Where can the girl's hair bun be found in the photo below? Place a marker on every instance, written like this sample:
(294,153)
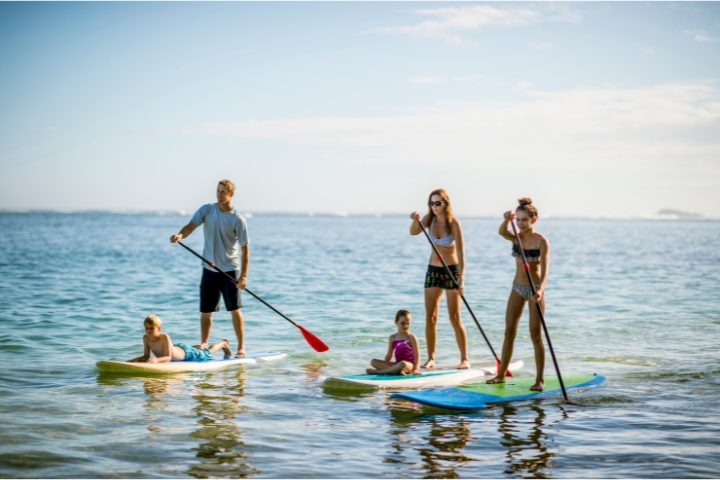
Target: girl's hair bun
(527,206)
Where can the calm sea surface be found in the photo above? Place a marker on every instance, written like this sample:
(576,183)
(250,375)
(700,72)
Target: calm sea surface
(636,301)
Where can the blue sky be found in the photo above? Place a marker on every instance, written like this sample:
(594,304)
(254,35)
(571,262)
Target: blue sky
(609,109)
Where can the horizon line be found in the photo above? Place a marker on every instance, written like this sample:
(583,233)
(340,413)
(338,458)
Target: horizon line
(676,215)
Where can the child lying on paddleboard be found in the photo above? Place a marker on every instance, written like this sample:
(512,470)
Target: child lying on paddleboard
(405,346)
(165,351)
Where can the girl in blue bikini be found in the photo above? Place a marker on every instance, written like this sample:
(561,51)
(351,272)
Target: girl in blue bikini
(538,258)
(404,345)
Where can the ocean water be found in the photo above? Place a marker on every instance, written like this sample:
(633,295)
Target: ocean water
(635,301)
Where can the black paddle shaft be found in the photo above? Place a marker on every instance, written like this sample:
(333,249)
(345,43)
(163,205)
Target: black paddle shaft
(235,281)
(539,309)
(447,269)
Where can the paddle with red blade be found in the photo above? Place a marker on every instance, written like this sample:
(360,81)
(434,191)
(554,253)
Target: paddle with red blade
(447,269)
(526,266)
(317,344)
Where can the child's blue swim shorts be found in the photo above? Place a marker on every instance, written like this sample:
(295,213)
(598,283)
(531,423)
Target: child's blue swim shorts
(193,354)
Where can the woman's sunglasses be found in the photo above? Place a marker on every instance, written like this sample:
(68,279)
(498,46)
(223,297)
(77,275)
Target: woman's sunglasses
(436,204)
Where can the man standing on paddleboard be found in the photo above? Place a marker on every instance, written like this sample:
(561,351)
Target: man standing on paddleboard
(224,229)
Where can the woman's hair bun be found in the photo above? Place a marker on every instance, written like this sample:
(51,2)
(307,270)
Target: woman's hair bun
(525,201)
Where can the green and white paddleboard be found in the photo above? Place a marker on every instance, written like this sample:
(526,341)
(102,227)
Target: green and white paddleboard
(438,377)
(176,367)
(480,395)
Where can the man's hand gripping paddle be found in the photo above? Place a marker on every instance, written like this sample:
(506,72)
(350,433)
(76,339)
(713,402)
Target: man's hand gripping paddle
(317,344)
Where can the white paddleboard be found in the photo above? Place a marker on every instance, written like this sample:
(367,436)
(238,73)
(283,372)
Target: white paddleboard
(174,367)
(437,377)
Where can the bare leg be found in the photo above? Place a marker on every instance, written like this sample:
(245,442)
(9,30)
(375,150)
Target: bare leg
(453,303)
(400,368)
(205,327)
(536,336)
(378,365)
(432,306)
(239,325)
(515,307)
(225,348)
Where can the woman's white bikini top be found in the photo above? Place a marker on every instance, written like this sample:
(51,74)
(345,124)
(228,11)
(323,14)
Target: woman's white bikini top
(446,241)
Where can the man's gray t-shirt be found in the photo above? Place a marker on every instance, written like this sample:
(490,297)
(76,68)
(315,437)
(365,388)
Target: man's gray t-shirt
(223,232)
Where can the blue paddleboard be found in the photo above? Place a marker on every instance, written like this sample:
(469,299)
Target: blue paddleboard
(479,395)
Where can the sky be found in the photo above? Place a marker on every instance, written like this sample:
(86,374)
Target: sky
(589,108)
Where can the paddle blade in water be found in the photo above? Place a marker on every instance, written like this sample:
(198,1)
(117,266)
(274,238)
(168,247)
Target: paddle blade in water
(317,344)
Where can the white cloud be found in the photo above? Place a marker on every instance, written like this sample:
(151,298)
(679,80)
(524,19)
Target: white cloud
(542,46)
(656,126)
(426,80)
(433,80)
(700,36)
(469,78)
(610,151)
(447,22)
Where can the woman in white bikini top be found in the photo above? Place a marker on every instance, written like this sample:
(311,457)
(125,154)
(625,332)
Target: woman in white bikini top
(446,233)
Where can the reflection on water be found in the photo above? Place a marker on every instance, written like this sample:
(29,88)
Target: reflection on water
(525,439)
(217,404)
(442,450)
(443,453)
(221,450)
(313,370)
(156,386)
(449,445)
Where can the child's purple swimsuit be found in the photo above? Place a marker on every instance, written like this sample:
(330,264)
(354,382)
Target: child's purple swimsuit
(403,351)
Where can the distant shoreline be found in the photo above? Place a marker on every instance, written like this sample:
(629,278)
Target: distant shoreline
(664,215)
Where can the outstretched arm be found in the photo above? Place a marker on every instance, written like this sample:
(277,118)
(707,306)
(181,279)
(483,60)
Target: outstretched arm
(505,226)
(184,233)
(146,353)
(244,264)
(416,350)
(388,355)
(544,268)
(460,242)
(414,227)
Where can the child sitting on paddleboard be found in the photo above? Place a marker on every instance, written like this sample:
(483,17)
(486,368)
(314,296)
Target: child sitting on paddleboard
(405,347)
(165,351)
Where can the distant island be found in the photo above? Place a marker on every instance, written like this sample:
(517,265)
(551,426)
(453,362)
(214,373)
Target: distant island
(669,212)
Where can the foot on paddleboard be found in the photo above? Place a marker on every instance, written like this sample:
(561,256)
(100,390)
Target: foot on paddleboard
(429,364)
(227,353)
(371,371)
(464,365)
(538,387)
(495,380)
(240,354)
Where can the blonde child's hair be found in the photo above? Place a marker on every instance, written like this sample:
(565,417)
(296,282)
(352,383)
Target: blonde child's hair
(153,320)
(402,313)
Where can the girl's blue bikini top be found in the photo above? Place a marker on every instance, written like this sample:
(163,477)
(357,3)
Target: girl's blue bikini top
(446,241)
